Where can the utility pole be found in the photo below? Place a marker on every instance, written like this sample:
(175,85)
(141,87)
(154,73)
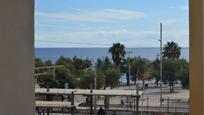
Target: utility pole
(161,58)
(129,52)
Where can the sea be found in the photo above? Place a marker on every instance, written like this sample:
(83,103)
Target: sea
(93,54)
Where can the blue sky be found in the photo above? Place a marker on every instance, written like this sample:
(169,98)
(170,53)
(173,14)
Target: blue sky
(99,23)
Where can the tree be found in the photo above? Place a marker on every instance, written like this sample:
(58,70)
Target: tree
(102,66)
(184,73)
(125,69)
(81,63)
(47,81)
(76,72)
(170,72)
(44,80)
(139,66)
(67,62)
(118,53)
(172,50)
(38,62)
(48,63)
(171,53)
(63,75)
(155,66)
(112,77)
(86,79)
(101,78)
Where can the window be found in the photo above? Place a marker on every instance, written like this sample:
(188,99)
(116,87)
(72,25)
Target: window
(87,31)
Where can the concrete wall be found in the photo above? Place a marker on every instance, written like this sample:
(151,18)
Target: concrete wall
(196,57)
(16,57)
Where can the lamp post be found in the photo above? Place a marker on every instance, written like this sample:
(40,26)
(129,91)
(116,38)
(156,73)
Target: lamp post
(161,58)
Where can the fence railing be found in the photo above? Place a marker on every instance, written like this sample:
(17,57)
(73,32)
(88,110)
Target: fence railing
(128,104)
(174,105)
(149,104)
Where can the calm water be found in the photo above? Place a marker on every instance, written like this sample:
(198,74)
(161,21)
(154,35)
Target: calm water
(93,53)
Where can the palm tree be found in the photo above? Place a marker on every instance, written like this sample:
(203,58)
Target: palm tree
(171,50)
(118,53)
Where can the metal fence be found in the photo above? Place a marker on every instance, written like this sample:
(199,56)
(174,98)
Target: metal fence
(146,104)
(126,104)
(174,105)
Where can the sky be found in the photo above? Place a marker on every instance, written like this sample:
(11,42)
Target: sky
(100,23)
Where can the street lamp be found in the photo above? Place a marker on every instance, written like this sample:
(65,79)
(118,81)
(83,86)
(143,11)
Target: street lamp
(161,58)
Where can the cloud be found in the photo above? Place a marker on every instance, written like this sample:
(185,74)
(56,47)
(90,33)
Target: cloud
(170,23)
(102,38)
(183,7)
(102,15)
